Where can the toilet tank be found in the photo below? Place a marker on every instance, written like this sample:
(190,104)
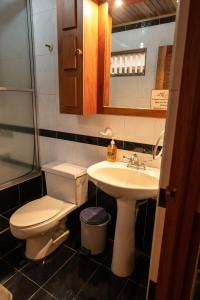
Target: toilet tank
(67,182)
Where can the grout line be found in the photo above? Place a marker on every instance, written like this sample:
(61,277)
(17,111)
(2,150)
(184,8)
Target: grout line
(87,281)
(33,294)
(66,246)
(24,275)
(4,230)
(10,251)
(9,210)
(136,283)
(122,289)
(4,282)
(41,289)
(68,260)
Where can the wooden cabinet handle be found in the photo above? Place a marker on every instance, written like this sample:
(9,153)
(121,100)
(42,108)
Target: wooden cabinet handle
(78,52)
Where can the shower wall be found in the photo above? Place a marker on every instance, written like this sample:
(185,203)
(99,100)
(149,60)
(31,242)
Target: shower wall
(17,140)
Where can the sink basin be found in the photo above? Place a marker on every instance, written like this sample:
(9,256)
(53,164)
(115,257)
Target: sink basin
(119,181)
(127,185)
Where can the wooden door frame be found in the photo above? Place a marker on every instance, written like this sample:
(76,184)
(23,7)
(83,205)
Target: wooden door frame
(185,170)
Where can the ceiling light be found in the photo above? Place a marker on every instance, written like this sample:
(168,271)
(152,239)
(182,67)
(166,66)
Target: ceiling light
(118,3)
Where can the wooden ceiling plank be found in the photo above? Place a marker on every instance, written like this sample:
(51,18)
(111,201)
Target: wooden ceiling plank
(163,6)
(140,10)
(124,14)
(151,8)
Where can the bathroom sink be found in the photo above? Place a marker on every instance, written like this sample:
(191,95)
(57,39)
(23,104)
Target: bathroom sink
(119,181)
(127,185)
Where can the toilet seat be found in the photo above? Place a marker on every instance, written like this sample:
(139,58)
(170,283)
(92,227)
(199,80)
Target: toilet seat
(36,212)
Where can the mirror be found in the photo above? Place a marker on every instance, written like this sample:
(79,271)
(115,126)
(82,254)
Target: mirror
(138,51)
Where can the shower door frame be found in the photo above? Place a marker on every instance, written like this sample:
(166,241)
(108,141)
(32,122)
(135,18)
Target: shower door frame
(36,162)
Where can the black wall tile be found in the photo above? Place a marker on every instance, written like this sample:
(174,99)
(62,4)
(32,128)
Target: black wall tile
(30,190)
(9,198)
(105,142)
(3,224)
(44,186)
(48,133)
(66,136)
(118,29)
(86,139)
(92,194)
(7,242)
(140,226)
(109,203)
(150,219)
(167,19)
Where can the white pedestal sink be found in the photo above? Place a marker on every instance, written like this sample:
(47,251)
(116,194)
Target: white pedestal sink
(127,185)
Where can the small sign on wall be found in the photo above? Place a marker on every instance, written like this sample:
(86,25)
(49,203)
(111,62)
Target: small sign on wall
(159,99)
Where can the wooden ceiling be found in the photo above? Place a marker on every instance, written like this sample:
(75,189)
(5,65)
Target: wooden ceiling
(141,10)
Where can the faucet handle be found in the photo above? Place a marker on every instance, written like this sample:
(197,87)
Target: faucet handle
(126,158)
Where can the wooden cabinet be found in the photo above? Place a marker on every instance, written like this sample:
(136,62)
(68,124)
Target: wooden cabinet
(78,55)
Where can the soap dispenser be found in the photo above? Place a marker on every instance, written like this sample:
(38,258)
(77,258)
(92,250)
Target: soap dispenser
(112,151)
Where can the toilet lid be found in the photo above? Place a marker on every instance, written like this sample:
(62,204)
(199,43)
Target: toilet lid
(36,212)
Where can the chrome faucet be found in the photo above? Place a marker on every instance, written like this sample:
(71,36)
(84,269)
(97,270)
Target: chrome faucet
(134,162)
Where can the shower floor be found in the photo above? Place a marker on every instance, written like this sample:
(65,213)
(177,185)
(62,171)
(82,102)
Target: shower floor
(10,171)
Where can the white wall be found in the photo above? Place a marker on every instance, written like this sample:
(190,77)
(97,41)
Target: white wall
(136,129)
(135,91)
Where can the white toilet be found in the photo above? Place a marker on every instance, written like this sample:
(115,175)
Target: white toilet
(42,222)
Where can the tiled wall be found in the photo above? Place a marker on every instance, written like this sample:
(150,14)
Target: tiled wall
(135,129)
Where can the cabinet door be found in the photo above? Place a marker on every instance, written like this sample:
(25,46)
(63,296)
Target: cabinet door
(70,45)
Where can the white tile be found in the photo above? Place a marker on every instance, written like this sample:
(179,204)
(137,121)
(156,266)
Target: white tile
(47,108)
(138,129)
(78,153)
(86,155)
(65,151)
(42,5)
(46,74)
(45,31)
(47,150)
(91,125)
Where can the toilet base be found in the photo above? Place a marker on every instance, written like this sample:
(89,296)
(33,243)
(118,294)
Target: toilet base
(41,246)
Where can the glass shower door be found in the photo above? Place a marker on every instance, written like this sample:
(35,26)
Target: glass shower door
(17,101)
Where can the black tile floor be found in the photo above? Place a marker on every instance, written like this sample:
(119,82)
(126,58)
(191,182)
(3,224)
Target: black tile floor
(69,275)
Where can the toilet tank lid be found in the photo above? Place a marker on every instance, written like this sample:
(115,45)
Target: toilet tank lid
(65,169)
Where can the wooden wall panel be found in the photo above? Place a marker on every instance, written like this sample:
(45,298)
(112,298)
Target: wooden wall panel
(163,67)
(70,90)
(69,48)
(90,56)
(69,14)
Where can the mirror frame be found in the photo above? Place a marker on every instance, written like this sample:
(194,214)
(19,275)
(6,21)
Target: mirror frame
(104,53)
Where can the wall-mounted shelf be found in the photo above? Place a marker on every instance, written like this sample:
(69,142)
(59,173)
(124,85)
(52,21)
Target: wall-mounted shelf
(128,63)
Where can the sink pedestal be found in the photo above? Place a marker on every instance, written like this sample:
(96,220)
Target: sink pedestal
(124,242)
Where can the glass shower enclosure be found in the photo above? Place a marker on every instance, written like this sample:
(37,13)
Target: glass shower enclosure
(18,139)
